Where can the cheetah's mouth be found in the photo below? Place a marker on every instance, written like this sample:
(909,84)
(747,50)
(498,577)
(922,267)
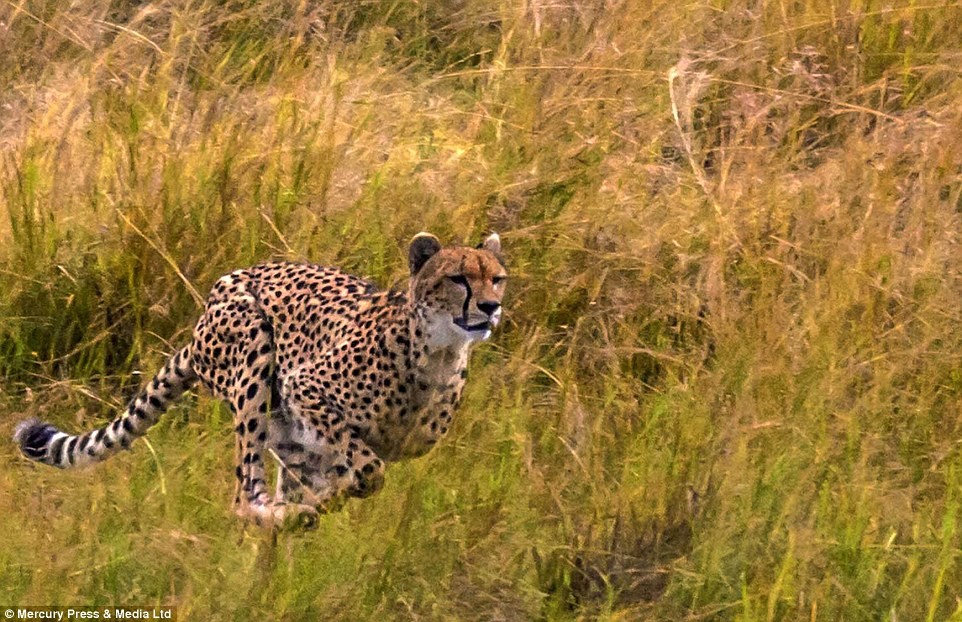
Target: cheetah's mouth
(472,328)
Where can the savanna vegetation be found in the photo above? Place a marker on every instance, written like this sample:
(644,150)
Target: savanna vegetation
(729,381)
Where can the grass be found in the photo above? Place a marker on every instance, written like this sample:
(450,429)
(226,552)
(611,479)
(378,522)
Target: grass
(729,382)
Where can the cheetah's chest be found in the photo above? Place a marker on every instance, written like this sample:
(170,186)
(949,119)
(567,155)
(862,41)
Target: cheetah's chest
(423,419)
(411,404)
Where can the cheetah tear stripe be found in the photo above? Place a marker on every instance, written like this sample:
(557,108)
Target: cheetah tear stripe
(45,443)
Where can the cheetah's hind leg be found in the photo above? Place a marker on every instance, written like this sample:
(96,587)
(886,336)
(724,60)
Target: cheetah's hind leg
(254,503)
(236,360)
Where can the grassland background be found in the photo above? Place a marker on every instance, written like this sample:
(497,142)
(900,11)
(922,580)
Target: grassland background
(729,382)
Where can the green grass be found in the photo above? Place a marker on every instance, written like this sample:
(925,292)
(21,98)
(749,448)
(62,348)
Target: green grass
(729,383)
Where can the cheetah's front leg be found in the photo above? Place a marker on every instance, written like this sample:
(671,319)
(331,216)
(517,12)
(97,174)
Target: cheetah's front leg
(300,458)
(323,456)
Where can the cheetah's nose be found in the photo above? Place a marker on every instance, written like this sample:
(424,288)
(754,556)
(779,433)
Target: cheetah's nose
(489,306)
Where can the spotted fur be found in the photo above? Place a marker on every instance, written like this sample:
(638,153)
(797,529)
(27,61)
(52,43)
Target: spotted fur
(322,370)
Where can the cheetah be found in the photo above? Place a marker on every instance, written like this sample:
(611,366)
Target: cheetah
(325,373)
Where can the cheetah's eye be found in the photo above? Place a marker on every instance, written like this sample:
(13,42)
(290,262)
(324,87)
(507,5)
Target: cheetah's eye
(459,279)
(497,280)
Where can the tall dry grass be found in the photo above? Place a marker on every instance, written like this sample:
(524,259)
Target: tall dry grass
(729,383)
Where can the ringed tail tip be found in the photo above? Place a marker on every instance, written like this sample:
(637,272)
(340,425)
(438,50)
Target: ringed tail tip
(33,437)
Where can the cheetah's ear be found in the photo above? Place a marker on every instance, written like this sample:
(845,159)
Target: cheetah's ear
(423,247)
(492,243)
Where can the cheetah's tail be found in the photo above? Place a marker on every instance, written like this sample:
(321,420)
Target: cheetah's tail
(44,443)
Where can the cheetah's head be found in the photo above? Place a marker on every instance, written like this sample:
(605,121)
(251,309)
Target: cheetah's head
(459,288)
